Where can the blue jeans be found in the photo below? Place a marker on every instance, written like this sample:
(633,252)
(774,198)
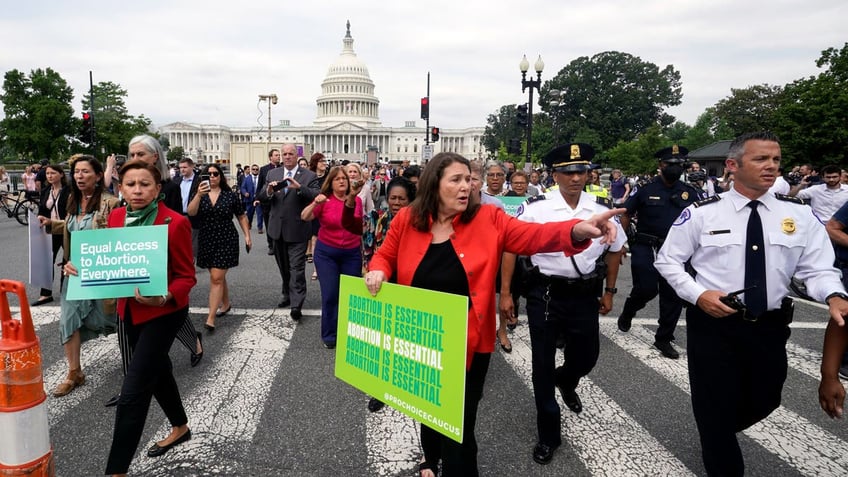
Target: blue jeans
(331,263)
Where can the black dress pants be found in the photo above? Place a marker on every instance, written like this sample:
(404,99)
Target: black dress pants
(149,375)
(647,283)
(736,373)
(576,316)
(460,459)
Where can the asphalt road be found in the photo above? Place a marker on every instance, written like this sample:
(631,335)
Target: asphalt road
(264,400)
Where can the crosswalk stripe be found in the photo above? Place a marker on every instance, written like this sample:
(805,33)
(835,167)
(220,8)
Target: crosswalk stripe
(793,438)
(227,408)
(392,442)
(601,416)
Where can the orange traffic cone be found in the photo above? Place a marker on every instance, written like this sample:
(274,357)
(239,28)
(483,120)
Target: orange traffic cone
(24,436)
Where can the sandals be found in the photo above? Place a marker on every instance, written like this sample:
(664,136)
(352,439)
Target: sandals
(75,378)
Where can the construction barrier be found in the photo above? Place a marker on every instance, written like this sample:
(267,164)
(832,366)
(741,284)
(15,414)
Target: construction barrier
(24,436)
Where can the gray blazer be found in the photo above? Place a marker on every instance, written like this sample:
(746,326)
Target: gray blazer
(284,217)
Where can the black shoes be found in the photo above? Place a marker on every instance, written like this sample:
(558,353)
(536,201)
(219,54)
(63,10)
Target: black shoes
(113,401)
(42,301)
(224,312)
(543,453)
(667,349)
(156,450)
(284,302)
(375,404)
(296,315)
(327,344)
(571,399)
(624,322)
(209,328)
(196,357)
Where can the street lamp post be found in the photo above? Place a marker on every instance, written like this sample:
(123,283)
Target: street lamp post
(531,83)
(557,101)
(272,99)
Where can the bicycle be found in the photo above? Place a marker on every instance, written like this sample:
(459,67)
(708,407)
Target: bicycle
(17,206)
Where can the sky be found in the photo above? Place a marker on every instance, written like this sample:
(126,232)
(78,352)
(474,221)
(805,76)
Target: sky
(207,61)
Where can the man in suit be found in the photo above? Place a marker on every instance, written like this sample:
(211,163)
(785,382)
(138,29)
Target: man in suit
(187,181)
(273,163)
(248,195)
(289,189)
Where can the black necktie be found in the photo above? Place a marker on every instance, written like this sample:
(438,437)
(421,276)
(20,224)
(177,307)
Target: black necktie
(755,264)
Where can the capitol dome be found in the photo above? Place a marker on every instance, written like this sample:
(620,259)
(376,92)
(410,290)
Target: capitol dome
(347,92)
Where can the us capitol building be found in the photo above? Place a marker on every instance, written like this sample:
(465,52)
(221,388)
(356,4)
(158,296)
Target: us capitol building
(347,126)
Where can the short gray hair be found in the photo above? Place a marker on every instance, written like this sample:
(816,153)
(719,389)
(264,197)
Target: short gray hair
(492,164)
(152,145)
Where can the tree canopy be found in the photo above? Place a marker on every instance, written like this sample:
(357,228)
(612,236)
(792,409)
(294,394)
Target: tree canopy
(39,118)
(615,95)
(114,126)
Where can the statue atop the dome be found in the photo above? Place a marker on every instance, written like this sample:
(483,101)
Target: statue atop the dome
(348,28)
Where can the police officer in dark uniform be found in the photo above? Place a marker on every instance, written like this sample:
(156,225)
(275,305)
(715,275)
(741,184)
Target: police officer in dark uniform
(565,294)
(656,205)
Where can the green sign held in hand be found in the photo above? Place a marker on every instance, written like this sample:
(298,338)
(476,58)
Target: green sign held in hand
(113,262)
(406,347)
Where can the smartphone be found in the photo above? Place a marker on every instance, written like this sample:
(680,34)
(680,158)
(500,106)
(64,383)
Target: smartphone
(281,185)
(205,178)
(247,248)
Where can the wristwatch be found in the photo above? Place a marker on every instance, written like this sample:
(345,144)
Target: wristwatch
(611,290)
(839,294)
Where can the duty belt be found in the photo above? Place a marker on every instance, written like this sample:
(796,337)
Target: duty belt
(559,284)
(648,239)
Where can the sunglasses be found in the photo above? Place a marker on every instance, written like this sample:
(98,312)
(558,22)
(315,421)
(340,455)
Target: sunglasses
(214,174)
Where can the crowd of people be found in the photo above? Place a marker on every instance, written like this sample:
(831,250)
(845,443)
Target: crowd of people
(445,227)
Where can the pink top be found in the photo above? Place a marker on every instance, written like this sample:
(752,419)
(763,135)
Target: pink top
(329,215)
(29,181)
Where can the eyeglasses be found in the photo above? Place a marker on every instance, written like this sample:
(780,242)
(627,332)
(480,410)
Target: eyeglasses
(519,183)
(214,174)
(496,174)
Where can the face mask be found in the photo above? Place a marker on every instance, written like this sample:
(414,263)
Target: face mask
(672,172)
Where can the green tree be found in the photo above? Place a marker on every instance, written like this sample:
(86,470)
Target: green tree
(113,125)
(637,156)
(812,120)
(749,109)
(175,154)
(39,119)
(612,92)
(500,128)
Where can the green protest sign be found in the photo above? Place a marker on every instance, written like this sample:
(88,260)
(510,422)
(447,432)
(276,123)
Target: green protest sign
(113,262)
(406,347)
(511,204)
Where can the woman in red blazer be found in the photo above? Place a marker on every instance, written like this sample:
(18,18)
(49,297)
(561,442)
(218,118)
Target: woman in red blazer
(151,322)
(453,244)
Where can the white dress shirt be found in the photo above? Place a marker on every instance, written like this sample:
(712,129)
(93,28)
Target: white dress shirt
(713,235)
(554,208)
(825,202)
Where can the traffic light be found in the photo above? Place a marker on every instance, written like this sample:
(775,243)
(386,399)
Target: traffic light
(514,146)
(87,132)
(425,108)
(521,115)
(434,134)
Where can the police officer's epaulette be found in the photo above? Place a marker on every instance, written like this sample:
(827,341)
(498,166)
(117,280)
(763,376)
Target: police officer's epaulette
(789,198)
(708,200)
(605,201)
(535,198)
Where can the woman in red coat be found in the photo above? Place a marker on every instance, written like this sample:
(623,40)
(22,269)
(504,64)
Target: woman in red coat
(452,244)
(151,322)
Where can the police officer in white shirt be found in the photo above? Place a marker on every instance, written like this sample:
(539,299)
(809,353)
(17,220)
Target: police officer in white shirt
(737,350)
(565,294)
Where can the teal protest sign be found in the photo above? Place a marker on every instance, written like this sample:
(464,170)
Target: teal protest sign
(111,263)
(406,347)
(511,204)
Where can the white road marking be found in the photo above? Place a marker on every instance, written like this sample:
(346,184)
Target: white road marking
(226,409)
(607,439)
(393,443)
(803,445)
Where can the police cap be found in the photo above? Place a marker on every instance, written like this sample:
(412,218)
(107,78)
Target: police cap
(673,155)
(574,157)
